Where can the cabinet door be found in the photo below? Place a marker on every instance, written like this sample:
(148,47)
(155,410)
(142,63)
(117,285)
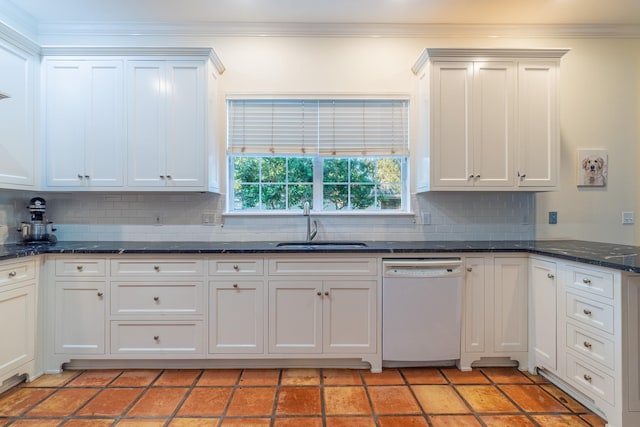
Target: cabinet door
(510,304)
(631,362)
(66,100)
(17,116)
(349,316)
(493,123)
(475,304)
(295,316)
(538,133)
(236,317)
(185,145)
(105,125)
(451,107)
(146,88)
(18,316)
(543,294)
(79,318)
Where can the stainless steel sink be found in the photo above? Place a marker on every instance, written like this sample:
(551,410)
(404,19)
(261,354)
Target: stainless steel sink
(321,245)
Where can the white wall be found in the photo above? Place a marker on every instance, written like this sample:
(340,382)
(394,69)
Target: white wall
(599,109)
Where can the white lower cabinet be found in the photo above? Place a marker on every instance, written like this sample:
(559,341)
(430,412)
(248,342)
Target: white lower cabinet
(331,316)
(222,307)
(543,334)
(18,317)
(79,320)
(236,316)
(494,310)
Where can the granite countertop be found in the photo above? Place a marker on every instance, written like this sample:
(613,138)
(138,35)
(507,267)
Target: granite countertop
(621,257)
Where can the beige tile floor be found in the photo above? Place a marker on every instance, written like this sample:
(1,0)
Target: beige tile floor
(415,397)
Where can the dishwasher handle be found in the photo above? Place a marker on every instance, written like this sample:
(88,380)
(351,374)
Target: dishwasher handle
(423,268)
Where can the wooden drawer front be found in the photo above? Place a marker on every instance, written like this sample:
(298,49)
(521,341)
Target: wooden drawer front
(80,267)
(595,348)
(245,267)
(17,272)
(592,281)
(156,337)
(144,298)
(128,267)
(328,266)
(590,312)
(590,380)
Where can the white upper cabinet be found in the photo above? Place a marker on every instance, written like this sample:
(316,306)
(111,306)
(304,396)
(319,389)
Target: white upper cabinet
(84,123)
(167,123)
(490,121)
(18,148)
(131,119)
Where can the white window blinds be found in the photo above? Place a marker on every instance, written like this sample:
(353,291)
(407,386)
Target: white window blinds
(318,127)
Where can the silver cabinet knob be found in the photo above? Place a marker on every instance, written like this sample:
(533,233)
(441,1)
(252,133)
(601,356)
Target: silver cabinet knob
(156,337)
(586,281)
(156,299)
(471,176)
(478,176)
(12,274)
(161,176)
(100,294)
(326,293)
(587,378)
(79,268)
(80,176)
(169,177)
(235,285)
(156,267)
(469,269)
(319,293)
(236,267)
(550,275)
(587,344)
(586,312)
(87,176)
(523,176)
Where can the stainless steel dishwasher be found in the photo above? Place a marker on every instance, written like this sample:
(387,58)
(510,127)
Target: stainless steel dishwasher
(421,310)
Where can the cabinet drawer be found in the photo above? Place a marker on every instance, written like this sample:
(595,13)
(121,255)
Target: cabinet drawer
(324,266)
(593,281)
(157,337)
(590,312)
(596,348)
(151,298)
(589,379)
(17,272)
(245,267)
(157,268)
(80,267)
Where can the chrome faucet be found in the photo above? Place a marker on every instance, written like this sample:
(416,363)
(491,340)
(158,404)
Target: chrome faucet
(306,212)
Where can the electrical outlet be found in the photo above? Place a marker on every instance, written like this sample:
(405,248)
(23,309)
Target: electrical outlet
(553,217)
(208,218)
(627,217)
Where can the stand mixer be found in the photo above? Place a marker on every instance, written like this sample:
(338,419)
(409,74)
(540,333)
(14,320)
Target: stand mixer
(38,230)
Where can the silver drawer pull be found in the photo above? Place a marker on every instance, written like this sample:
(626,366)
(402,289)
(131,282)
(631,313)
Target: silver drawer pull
(156,267)
(586,281)
(156,299)
(100,294)
(586,312)
(319,293)
(156,337)
(236,267)
(587,378)
(79,268)
(12,274)
(550,276)
(235,285)
(587,344)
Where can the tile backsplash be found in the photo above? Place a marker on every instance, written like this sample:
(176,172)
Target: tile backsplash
(199,217)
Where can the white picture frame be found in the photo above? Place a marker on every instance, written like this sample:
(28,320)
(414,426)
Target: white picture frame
(593,168)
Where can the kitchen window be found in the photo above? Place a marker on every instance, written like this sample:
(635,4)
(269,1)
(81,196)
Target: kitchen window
(338,155)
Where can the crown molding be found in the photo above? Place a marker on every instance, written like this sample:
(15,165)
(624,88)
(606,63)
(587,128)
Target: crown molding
(134,51)
(448,53)
(18,39)
(235,29)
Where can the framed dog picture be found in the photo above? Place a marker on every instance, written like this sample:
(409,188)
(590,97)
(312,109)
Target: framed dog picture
(592,168)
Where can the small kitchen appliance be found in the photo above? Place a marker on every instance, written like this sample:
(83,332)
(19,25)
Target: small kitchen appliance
(39,229)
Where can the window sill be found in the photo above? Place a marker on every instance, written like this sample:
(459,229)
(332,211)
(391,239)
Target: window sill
(319,214)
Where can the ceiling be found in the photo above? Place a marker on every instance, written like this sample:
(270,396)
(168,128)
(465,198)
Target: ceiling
(490,12)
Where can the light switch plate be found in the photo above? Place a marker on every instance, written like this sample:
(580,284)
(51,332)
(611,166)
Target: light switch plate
(628,217)
(553,217)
